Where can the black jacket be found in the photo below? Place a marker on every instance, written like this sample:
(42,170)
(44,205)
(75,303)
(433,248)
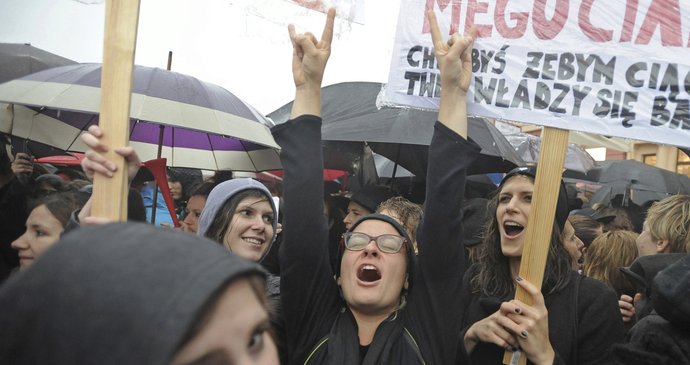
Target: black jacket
(581,333)
(320,328)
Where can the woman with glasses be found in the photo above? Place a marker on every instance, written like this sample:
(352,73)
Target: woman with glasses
(386,305)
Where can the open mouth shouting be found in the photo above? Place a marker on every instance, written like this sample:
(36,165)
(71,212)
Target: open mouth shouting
(512,229)
(368,274)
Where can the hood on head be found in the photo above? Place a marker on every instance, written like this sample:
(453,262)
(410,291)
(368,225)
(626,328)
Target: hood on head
(113,294)
(224,192)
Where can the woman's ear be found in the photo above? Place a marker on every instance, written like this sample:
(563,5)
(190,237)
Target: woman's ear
(337,280)
(406,284)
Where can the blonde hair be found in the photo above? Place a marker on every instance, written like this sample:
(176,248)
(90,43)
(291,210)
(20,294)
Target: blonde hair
(609,252)
(669,219)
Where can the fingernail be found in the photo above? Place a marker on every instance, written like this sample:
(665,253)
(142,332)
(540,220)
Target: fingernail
(524,334)
(518,310)
(518,278)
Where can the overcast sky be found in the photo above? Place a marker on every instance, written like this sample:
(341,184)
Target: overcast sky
(241,45)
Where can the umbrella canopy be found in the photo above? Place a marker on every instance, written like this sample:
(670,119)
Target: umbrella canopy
(528,147)
(636,181)
(203,125)
(18,59)
(350,114)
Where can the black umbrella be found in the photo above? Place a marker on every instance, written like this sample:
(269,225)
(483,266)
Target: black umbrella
(351,116)
(636,181)
(18,60)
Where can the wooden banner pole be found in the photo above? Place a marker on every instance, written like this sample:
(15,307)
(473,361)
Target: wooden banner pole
(121,19)
(540,222)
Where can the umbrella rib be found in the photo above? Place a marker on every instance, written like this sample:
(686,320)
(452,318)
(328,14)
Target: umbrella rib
(81,129)
(213,153)
(256,169)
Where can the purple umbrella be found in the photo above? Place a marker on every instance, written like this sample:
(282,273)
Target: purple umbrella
(203,125)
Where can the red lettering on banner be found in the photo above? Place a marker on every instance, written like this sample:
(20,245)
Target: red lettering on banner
(548,29)
(442,5)
(474,7)
(592,32)
(666,15)
(629,20)
(503,29)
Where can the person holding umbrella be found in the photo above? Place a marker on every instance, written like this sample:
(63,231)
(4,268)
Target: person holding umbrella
(386,305)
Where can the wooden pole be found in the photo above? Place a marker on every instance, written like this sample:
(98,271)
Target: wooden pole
(540,222)
(121,18)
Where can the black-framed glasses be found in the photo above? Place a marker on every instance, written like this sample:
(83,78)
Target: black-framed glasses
(388,243)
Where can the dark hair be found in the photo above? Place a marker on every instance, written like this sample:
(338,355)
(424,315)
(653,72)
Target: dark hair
(203,189)
(60,205)
(493,277)
(586,228)
(136,210)
(223,219)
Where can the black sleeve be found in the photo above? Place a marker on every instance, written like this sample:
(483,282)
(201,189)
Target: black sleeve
(434,299)
(309,294)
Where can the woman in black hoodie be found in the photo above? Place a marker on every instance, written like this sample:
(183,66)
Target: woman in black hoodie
(134,294)
(395,308)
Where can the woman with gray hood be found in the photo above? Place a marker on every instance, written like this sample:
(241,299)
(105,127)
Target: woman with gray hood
(240,215)
(134,294)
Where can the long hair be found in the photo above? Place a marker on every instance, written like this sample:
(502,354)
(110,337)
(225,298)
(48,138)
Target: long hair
(493,277)
(608,252)
(222,222)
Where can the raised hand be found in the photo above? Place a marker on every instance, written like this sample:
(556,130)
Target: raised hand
(22,164)
(309,58)
(454,56)
(95,162)
(455,62)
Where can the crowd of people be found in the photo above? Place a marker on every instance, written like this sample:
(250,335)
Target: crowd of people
(321,277)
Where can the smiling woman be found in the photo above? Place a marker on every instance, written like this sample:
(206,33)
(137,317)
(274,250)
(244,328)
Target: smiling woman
(240,215)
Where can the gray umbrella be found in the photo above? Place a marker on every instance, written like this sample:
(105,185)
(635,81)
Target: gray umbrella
(636,181)
(528,147)
(350,115)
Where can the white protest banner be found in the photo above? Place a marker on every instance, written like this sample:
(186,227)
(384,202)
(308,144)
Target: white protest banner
(352,10)
(612,67)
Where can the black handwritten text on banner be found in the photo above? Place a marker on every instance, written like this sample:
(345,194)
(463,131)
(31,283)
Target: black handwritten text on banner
(612,67)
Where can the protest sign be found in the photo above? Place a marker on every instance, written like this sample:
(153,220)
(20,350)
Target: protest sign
(612,67)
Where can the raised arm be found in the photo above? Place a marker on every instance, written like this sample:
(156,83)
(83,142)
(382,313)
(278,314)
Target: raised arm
(309,58)
(455,61)
(309,294)
(435,303)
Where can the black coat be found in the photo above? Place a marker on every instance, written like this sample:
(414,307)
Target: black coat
(580,334)
(320,328)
